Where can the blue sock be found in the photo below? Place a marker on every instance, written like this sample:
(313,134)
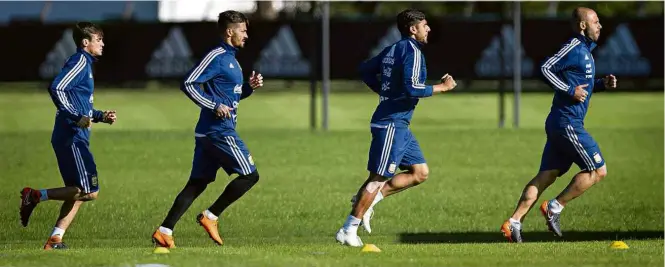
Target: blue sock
(44,195)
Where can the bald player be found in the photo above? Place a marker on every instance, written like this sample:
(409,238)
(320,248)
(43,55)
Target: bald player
(571,74)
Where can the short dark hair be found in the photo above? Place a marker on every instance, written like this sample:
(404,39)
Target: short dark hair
(85,30)
(229,17)
(408,18)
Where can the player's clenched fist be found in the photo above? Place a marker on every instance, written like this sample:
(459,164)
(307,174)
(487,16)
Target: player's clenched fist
(581,93)
(449,82)
(256,80)
(610,81)
(109,116)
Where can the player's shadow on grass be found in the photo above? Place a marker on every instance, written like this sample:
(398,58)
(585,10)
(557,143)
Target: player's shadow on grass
(494,237)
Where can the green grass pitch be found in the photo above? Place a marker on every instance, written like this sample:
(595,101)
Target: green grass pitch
(308,177)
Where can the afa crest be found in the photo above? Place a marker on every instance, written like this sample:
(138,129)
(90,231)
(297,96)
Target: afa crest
(597,157)
(392,167)
(94,180)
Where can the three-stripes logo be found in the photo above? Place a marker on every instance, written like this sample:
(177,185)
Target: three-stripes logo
(56,58)
(173,58)
(620,55)
(488,65)
(283,57)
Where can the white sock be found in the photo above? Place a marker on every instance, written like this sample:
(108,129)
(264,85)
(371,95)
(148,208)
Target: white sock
(378,198)
(516,223)
(58,231)
(209,215)
(165,230)
(351,225)
(555,206)
(44,195)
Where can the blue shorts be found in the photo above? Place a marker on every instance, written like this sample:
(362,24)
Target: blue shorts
(567,145)
(215,150)
(391,148)
(77,166)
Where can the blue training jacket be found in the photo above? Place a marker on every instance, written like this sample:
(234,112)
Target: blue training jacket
(72,93)
(403,73)
(216,80)
(573,65)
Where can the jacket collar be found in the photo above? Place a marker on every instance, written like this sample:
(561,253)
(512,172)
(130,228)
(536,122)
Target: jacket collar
(87,55)
(587,41)
(229,48)
(413,41)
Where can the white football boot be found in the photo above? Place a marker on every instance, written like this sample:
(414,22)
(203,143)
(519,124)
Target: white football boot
(348,239)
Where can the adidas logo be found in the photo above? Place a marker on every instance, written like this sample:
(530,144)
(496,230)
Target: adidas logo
(282,56)
(620,55)
(392,36)
(488,65)
(173,58)
(56,58)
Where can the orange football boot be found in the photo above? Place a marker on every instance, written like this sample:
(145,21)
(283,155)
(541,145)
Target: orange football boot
(54,242)
(511,233)
(162,239)
(211,228)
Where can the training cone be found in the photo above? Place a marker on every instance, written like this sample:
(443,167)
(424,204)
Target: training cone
(370,248)
(619,245)
(161,250)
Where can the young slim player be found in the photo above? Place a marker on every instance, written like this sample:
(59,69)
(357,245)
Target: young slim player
(72,93)
(402,83)
(571,73)
(216,85)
